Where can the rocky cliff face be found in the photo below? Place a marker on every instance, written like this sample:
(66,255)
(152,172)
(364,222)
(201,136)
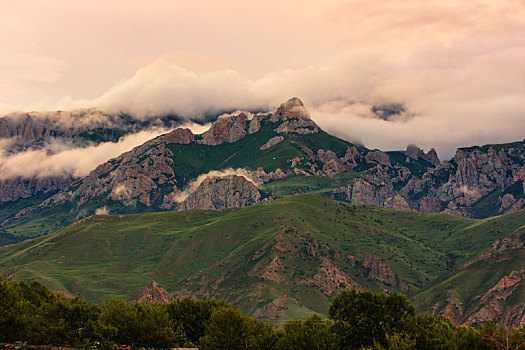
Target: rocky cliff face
(471,184)
(17,188)
(222,193)
(138,175)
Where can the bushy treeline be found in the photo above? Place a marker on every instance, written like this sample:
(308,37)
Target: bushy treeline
(356,320)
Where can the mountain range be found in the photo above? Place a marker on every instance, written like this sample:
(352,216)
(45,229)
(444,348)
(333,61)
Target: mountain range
(270,212)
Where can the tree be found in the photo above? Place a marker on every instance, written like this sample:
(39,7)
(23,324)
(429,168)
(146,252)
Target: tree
(228,328)
(138,324)
(503,338)
(312,333)
(193,316)
(363,317)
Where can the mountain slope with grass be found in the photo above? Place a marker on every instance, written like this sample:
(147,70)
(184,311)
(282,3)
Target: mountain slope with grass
(276,260)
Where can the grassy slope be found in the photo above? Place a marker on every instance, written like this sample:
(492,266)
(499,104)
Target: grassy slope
(478,277)
(117,255)
(195,159)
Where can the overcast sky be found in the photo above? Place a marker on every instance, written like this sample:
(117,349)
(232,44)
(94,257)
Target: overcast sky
(457,66)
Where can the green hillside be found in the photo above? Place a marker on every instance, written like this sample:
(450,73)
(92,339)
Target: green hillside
(277,260)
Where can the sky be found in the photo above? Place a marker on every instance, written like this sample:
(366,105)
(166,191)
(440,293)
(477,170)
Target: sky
(455,66)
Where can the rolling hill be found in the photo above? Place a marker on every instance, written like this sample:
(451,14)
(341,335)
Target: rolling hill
(277,260)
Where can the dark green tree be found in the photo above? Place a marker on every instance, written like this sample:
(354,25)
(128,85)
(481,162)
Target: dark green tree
(363,317)
(312,333)
(193,315)
(230,329)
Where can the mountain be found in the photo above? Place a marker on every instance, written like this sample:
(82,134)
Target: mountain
(283,259)
(278,154)
(79,128)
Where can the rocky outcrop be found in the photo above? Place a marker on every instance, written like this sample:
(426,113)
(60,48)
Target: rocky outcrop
(271,142)
(493,307)
(380,271)
(298,126)
(293,108)
(228,128)
(154,293)
(455,187)
(378,157)
(498,301)
(222,193)
(26,131)
(137,176)
(495,251)
(417,153)
(13,189)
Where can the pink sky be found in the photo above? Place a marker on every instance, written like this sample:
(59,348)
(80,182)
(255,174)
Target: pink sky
(456,65)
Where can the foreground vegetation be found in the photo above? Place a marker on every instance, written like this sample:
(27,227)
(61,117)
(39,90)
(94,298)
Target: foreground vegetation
(356,320)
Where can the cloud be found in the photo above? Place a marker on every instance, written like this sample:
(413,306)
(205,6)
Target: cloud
(102,211)
(455,66)
(68,161)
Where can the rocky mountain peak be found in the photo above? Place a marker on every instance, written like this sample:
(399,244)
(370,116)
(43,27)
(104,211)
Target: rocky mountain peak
(415,152)
(293,108)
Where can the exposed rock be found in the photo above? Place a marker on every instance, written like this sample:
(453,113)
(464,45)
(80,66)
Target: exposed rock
(451,187)
(397,202)
(518,205)
(13,189)
(379,270)
(135,175)
(352,158)
(292,243)
(497,248)
(510,316)
(154,293)
(415,152)
(298,126)
(229,128)
(430,205)
(221,193)
(255,123)
(453,310)
(332,164)
(271,142)
(293,108)
(378,157)
(330,279)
